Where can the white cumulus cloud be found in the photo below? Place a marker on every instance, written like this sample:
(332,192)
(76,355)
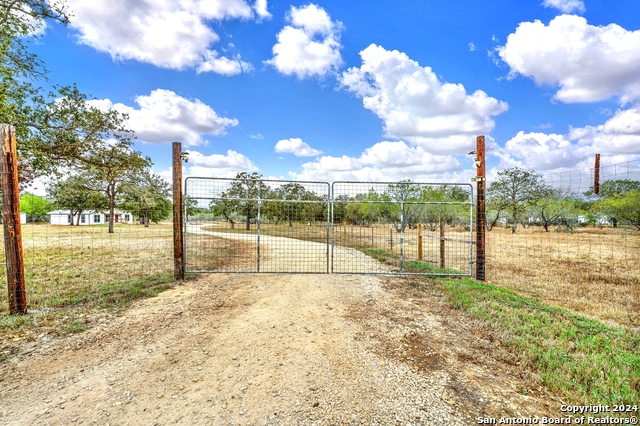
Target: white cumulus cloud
(309,46)
(565,6)
(384,161)
(618,139)
(414,104)
(219,165)
(163,116)
(588,63)
(297,147)
(165,33)
(260,7)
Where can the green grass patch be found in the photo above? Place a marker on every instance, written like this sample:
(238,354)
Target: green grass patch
(420,267)
(583,360)
(76,310)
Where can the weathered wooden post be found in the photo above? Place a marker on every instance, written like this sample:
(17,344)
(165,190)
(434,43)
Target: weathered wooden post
(480,217)
(178,225)
(442,261)
(419,241)
(596,176)
(11,223)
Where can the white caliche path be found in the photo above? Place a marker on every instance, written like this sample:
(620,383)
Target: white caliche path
(282,254)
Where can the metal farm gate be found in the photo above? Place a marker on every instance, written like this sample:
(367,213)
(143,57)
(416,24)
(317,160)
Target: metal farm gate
(258,225)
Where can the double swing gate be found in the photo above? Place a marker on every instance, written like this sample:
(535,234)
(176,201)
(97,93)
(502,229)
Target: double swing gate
(245,224)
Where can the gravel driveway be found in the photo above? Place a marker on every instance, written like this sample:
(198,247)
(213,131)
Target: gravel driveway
(251,349)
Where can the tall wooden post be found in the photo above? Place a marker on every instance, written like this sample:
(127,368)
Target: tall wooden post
(596,176)
(11,223)
(480,205)
(419,241)
(178,225)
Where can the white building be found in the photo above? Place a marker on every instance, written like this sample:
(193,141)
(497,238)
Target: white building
(88,217)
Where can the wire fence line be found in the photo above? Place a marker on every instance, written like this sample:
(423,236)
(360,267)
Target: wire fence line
(586,258)
(72,269)
(574,248)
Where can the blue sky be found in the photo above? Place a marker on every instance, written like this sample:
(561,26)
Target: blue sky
(343,90)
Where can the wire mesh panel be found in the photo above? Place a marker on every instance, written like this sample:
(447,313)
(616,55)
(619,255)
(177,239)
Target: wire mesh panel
(402,227)
(255,225)
(567,245)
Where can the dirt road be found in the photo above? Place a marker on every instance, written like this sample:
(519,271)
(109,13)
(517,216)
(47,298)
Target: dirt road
(271,350)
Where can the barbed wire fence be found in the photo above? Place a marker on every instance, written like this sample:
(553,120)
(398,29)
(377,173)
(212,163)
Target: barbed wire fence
(586,259)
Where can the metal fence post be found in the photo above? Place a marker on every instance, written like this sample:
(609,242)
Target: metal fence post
(419,241)
(11,223)
(442,261)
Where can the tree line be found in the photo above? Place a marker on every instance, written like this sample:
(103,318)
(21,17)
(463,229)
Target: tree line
(402,205)
(521,197)
(87,152)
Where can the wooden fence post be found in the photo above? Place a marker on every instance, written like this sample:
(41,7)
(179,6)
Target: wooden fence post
(442,260)
(480,217)
(11,223)
(596,176)
(419,241)
(178,220)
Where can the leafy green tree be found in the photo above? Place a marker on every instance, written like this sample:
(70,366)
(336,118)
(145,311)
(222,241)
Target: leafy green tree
(73,194)
(514,191)
(112,167)
(296,208)
(555,208)
(624,207)
(192,207)
(241,198)
(147,196)
(35,206)
(53,129)
(603,209)
(441,196)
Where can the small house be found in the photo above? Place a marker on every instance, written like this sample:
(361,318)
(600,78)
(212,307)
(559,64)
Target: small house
(88,217)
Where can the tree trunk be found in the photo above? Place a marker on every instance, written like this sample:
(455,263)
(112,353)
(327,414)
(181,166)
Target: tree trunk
(515,226)
(290,221)
(248,225)
(111,210)
(615,222)
(71,217)
(145,218)
(78,219)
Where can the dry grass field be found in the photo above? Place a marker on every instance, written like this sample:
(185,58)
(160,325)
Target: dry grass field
(592,271)
(83,267)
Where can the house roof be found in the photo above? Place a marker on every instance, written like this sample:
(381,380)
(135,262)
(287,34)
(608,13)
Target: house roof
(87,212)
